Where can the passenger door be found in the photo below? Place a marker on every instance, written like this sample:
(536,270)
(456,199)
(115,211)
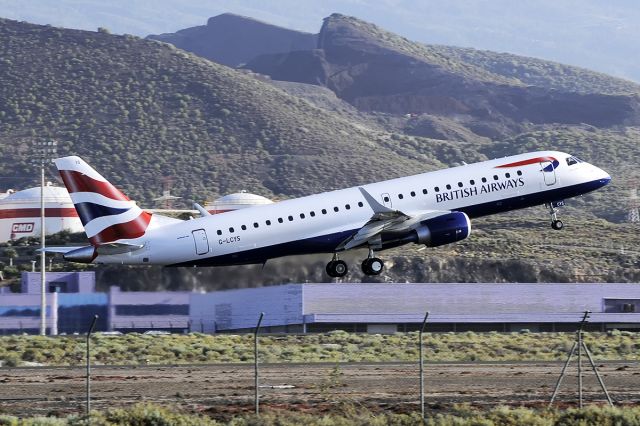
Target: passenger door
(201,241)
(548,173)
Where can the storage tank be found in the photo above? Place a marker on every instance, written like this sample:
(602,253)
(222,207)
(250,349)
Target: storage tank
(20,213)
(235,201)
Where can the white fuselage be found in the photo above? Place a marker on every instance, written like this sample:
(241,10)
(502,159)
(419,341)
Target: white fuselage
(318,223)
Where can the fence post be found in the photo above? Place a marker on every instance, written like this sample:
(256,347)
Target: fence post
(424,324)
(93,324)
(255,364)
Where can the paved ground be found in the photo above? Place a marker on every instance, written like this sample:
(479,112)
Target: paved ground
(226,389)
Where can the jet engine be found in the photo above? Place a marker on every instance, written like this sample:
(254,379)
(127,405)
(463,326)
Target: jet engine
(446,229)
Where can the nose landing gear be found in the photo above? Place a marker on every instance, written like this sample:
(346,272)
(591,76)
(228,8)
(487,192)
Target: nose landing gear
(337,268)
(372,265)
(553,211)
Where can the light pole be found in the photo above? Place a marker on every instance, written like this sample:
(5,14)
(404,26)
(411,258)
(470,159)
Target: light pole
(43,151)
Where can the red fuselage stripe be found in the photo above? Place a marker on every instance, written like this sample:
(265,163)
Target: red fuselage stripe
(527,162)
(48,212)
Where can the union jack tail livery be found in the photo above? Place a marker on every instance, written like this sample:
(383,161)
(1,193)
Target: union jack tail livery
(106,213)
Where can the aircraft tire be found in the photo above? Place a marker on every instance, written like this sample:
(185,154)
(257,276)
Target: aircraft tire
(340,268)
(337,268)
(372,266)
(557,225)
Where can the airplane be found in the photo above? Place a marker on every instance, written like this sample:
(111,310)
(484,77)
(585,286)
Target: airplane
(430,209)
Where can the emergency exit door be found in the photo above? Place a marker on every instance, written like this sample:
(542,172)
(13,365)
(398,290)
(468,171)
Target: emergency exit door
(201,241)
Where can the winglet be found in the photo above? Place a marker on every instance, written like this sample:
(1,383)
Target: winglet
(374,204)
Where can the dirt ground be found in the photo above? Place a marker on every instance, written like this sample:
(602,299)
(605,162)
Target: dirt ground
(226,389)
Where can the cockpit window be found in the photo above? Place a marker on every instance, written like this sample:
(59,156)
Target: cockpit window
(573,160)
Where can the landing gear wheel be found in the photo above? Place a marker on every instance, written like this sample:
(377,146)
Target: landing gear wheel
(372,266)
(337,268)
(553,211)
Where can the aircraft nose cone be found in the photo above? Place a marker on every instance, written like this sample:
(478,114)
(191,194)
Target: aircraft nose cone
(604,178)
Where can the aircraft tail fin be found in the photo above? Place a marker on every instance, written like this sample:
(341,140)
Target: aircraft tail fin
(106,213)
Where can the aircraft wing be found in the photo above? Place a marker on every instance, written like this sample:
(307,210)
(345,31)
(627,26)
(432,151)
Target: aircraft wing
(385,219)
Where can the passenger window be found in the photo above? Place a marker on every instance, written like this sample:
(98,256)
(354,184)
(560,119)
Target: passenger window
(400,196)
(459,184)
(347,206)
(360,204)
(324,211)
(301,215)
(255,224)
(413,193)
(243,227)
(280,220)
(290,218)
(386,199)
(519,173)
(448,186)
(436,189)
(424,191)
(312,214)
(495,177)
(484,180)
(231,230)
(472,182)
(507,175)
(219,232)
(335,209)
(268,222)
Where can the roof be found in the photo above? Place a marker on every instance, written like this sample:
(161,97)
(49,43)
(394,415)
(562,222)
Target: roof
(238,200)
(32,195)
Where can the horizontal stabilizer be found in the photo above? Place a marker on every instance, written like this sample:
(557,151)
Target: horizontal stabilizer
(117,248)
(62,250)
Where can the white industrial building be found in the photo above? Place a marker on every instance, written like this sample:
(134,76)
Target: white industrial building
(309,308)
(20,213)
(236,201)
(387,308)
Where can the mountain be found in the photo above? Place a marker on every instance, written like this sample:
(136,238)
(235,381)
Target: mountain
(139,110)
(492,95)
(592,34)
(233,40)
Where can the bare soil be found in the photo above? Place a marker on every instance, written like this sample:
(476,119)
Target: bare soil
(226,389)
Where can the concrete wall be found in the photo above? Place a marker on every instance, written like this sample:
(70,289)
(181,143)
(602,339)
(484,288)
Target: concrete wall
(240,309)
(74,282)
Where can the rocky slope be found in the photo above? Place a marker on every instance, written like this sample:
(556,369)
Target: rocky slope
(490,94)
(233,40)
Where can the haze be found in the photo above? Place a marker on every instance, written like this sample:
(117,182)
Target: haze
(601,36)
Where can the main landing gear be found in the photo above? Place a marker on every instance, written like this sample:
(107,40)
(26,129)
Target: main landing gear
(372,265)
(553,211)
(337,268)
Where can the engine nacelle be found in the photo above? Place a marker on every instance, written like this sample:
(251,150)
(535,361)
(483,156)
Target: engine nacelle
(441,230)
(445,229)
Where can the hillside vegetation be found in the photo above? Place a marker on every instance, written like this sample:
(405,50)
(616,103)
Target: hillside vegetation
(140,110)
